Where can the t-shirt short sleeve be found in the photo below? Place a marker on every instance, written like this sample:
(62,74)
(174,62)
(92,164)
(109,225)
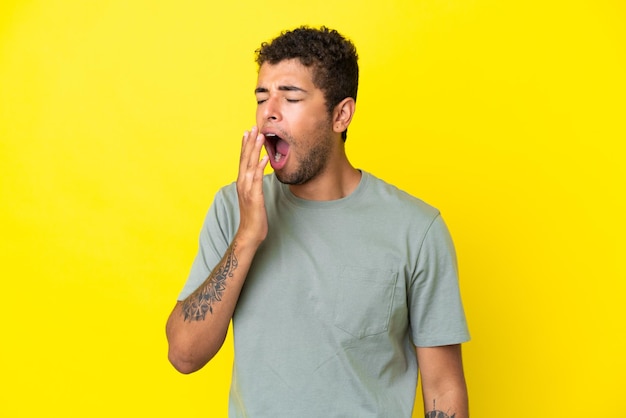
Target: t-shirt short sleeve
(213,243)
(436,311)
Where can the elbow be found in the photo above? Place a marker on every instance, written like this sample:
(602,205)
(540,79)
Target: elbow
(189,356)
(185,363)
(183,367)
(189,350)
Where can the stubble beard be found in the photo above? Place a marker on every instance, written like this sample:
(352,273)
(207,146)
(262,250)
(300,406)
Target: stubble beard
(312,164)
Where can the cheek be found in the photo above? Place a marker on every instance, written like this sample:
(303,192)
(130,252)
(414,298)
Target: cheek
(309,122)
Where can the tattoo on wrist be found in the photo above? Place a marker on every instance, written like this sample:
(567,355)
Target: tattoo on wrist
(435,413)
(196,306)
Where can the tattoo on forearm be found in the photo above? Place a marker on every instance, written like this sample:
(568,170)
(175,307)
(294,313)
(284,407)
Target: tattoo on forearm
(435,413)
(196,306)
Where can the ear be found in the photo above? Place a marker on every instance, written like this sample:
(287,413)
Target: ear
(342,115)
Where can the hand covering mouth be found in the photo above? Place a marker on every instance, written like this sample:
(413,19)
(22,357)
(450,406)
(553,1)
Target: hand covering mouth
(276,147)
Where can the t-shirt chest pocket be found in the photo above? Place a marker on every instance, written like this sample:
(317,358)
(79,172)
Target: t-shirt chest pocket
(363,300)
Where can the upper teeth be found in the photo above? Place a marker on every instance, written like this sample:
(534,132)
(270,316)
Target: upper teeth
(277,155)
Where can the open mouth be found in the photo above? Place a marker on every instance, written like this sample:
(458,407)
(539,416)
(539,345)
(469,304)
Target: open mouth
(276,147)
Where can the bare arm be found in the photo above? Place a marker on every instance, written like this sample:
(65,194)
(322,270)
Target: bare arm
(197,326)
(443,381)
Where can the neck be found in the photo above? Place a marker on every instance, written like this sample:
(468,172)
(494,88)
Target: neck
(336,182)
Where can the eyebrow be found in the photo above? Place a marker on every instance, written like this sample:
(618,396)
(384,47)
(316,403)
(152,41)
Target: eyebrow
(280,88)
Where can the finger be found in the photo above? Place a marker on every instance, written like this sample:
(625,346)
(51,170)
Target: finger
(254,147)
(260,169)
(245,143)
(257,164)
(256,150)
(246,151)
(251,153)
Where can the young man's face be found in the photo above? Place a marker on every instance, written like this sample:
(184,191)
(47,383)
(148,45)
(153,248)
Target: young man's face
(292,114)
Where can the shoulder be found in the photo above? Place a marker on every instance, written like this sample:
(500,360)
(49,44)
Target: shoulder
(397,200)
(226,195)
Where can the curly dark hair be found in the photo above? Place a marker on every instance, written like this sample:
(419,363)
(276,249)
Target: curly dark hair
(332,57)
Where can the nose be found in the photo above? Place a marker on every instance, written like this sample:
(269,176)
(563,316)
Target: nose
(270,109)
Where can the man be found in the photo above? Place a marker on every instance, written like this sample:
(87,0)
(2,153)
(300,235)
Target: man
(338,284)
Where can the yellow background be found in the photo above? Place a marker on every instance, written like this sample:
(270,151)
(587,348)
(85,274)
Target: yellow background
(120,119)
